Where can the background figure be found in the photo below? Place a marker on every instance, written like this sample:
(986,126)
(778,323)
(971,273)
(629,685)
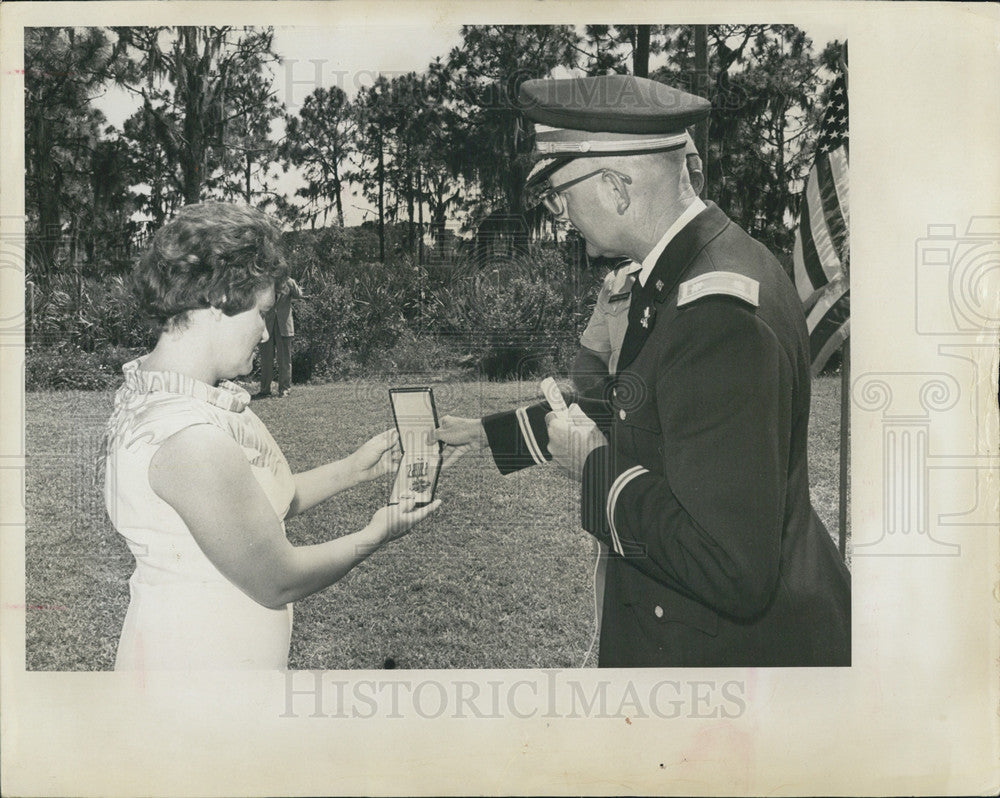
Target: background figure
(280,331)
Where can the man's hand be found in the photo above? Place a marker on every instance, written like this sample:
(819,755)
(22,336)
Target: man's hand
(572,437)
(461,435)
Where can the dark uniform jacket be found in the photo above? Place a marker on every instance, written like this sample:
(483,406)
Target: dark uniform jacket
(702,494)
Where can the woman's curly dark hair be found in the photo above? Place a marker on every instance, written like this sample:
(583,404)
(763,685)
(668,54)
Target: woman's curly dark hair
(214,254)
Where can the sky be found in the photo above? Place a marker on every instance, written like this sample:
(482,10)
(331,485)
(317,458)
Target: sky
(351,56)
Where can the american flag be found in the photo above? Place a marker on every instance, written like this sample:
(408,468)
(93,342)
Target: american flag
(822,250)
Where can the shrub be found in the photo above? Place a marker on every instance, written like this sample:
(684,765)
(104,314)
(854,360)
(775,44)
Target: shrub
(93,314)
(518,318)
(421,353)
(65,366)
(504,314)
(363,307)
(113,309)
(325,323)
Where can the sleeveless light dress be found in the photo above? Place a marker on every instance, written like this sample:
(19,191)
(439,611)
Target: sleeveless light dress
(183,613)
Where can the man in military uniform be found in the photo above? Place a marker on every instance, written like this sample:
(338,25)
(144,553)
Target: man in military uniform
(693,471)
(601,342)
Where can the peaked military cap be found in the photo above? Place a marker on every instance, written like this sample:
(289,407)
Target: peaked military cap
(608,115)
(601,116)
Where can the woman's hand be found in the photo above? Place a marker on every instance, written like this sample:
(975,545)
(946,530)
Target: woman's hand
(395,520)
(204,475)
(376,457)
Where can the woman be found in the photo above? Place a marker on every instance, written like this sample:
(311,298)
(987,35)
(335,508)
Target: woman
(194,481)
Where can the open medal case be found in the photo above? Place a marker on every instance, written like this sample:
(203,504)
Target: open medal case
(416,417)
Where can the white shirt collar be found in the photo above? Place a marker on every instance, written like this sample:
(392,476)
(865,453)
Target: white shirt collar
(690,212)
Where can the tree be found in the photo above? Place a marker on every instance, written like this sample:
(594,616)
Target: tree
(65,69)
(372,114)
(621,49)
(442,186)
(393,123)
(191,79)
(411,121)
(490,149)
(318,141)
(249,152)
(151,168)
(764,119)
(107,228)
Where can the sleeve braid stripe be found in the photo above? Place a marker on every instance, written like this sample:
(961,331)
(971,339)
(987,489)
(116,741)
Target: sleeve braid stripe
(529,437)
(616,488)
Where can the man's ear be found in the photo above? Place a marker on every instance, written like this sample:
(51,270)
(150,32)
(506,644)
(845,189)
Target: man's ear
(620,189)
(697,178)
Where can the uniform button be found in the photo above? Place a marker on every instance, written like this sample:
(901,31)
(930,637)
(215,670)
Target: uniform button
(622,414)
(614,393)
(658,611)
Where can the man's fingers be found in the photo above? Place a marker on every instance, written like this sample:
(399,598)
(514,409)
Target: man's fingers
(439,433)
(448,421)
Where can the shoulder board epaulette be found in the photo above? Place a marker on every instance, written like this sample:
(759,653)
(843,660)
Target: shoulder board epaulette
(728,283)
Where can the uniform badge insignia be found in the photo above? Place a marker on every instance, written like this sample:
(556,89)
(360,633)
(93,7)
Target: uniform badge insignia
(646,317)
(659,285)
(728,283)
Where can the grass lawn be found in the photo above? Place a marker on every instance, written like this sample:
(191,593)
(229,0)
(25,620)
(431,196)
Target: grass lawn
(499,577)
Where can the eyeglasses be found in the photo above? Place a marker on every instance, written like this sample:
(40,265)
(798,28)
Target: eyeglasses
(553,199)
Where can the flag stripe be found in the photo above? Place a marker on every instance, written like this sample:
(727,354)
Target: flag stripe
(810,257)
(807,293)
(833,343)
(826,300)
(827,190)
(829,262)
(821,252)
(829,323)
(802,282)
(838,168)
